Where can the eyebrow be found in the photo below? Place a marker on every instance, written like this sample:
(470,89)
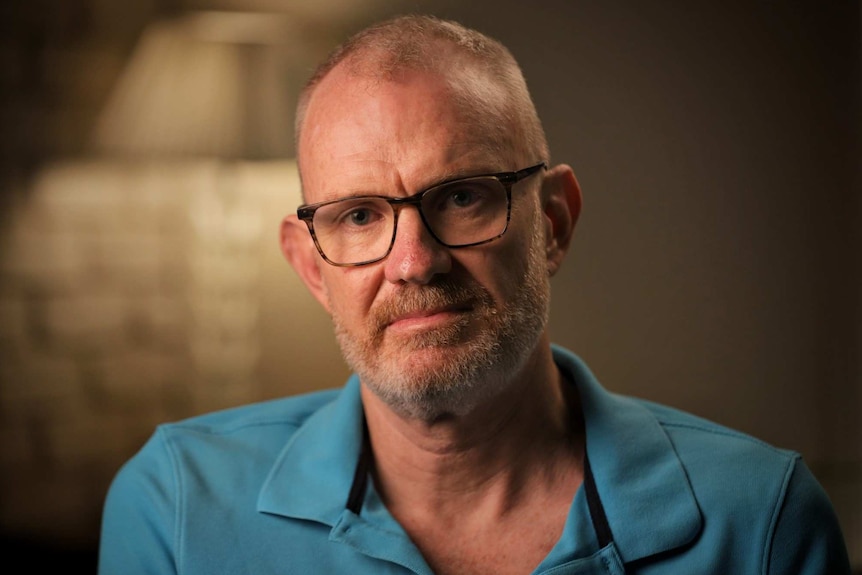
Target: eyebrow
(481,152)
(451,176)
(447,178)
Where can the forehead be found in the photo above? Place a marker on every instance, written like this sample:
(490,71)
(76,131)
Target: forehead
(378,132)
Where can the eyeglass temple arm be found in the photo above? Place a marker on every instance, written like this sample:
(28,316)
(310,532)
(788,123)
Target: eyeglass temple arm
(521,174)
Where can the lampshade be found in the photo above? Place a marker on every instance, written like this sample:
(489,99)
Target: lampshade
(210,84)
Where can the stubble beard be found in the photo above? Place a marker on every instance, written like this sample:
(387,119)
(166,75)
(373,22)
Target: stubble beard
(451,370)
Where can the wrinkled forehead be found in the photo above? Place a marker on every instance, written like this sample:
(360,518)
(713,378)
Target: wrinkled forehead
(469,86)
(461,95)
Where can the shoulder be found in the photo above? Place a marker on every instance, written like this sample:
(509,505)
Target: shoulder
(288,412)
(764,491)
(692,482)
(674,419)
(747,486)
(721,453)
(196,471)
(248,437)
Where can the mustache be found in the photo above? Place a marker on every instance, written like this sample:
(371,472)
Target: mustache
(412,298)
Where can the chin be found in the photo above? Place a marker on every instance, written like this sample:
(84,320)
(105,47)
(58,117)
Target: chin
(419,400)
(437,381)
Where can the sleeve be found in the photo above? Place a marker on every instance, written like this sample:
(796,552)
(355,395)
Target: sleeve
(139,533)
(806,536)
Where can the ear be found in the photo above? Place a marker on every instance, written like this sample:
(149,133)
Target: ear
(561,204)
(298,248)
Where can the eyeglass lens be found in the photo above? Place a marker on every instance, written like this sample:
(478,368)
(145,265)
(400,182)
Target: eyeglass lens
(460,213)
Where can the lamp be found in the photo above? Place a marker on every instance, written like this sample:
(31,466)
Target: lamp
(214,90)
(207,84)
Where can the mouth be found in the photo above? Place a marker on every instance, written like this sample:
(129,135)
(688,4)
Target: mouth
(432,311)
(426,319)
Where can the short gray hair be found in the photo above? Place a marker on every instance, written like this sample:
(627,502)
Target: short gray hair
(426,43)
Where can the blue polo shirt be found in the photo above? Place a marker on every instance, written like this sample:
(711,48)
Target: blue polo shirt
(280,488)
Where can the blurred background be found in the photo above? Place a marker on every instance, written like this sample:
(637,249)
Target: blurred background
(146,162)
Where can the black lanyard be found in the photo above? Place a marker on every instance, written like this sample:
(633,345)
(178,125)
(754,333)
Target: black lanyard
(597,511)
(360,476)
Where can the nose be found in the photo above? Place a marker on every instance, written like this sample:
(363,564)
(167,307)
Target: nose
(416,257)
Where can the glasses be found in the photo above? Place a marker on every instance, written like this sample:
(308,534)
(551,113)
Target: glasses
(460,213)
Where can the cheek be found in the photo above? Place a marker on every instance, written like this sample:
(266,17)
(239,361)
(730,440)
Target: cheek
(351,292)
(498,267)
(514,260)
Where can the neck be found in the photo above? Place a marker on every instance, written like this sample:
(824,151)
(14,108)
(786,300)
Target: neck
(528,437)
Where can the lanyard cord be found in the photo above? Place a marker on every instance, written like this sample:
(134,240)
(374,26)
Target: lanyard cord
(597,511)
(360,476)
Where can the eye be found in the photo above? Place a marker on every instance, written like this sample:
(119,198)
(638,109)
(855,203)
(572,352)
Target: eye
(354,215)
(462,197)
(359,216)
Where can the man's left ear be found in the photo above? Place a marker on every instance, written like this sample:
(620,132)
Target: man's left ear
(561,204)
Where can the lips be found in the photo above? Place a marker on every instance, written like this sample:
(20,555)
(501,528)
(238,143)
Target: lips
(428,316)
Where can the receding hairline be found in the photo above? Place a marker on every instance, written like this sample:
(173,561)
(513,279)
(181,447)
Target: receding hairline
(480,70)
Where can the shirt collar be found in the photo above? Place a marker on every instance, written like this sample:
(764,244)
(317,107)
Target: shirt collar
(312,477)
(639,478)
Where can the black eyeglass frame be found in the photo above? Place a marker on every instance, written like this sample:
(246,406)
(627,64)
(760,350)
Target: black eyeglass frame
(507,179)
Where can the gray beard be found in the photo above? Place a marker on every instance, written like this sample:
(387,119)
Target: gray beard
(469,370)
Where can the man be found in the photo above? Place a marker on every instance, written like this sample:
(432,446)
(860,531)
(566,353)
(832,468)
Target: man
(466,443)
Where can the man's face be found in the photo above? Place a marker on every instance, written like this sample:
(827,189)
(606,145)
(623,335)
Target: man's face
(430,330)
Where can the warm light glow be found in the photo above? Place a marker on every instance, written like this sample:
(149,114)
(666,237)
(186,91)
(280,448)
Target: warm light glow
(211,84)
